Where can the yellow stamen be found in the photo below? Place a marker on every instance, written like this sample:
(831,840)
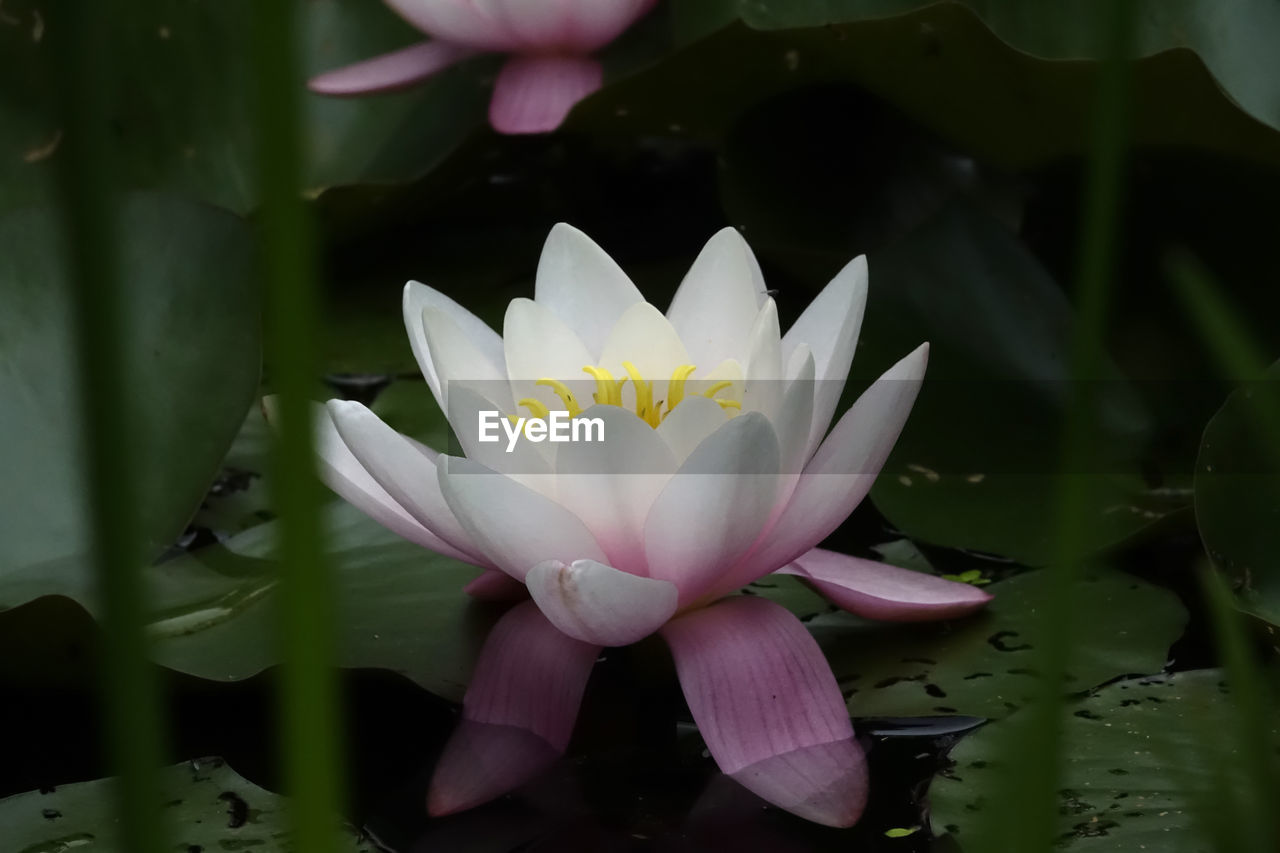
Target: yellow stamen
(608,390)
(566,396)
(535,407)
(711,392)
(730,404)
(644,396)
(675,388)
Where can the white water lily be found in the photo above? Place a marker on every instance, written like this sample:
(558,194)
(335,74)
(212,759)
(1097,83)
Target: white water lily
(716,469)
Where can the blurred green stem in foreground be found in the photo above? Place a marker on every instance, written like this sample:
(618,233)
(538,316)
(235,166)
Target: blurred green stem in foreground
(111,426)
(309,711)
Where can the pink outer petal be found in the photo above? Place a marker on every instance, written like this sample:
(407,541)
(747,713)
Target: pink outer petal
(390,71)
(533,94)
(769,708)
(518,712)
(880,591)
(495,585)
(598,604)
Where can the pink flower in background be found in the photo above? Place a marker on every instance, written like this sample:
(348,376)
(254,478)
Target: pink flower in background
(550,42)
(715,469)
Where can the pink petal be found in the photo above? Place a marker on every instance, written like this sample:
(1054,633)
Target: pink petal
(533,94)
(598,604)
(495,585)
(880,591)
(769,708)
(390,71)
(518,712)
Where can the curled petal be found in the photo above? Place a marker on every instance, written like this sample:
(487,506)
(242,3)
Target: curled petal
(880,591)
(598,604)
(533,94)
(517,714)
(769,708)
(390,71)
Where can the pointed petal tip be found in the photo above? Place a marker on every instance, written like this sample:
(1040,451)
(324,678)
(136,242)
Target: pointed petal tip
(483,761)
(825,783)
(534,94)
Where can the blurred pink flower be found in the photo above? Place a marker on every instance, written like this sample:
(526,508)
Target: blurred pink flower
(703,481)
(550,43)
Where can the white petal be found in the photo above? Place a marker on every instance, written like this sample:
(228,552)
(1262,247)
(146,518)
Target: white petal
(407,475)
(598,604)
(840,474)
(583,286)
(468,410)
(715,506)
(539,345)
(716,305)
(689,424)
(417,297)
(830,327)
(456,356)
(611,484)
(763,390)
(515,526)
(342,472)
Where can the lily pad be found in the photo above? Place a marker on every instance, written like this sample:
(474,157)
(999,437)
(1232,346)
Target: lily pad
(181,112)
(1147,769)
(1237,495)
(1221,54)
(190,293)
(984,666)
(976,466)
(208,806)
(400,607)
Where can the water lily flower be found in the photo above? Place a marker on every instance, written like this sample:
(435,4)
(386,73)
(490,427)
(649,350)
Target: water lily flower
(550,43)
(715,469)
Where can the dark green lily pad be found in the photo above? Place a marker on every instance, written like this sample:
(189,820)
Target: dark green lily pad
(208,806)
(400,608)
(1148,769)
(182,113)
(976,465)
(1237,494)
(984,665)
(190,292)
(1030,62)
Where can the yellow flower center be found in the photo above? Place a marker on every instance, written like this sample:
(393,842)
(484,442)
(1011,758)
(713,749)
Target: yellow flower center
(609,393)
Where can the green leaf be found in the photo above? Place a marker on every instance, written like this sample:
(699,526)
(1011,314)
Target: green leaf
(181,112)
(400,607)
(193,351)
(1011,80)
(208,806)
(1237,496)
(1148,770)
(984,665)
(976,464)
